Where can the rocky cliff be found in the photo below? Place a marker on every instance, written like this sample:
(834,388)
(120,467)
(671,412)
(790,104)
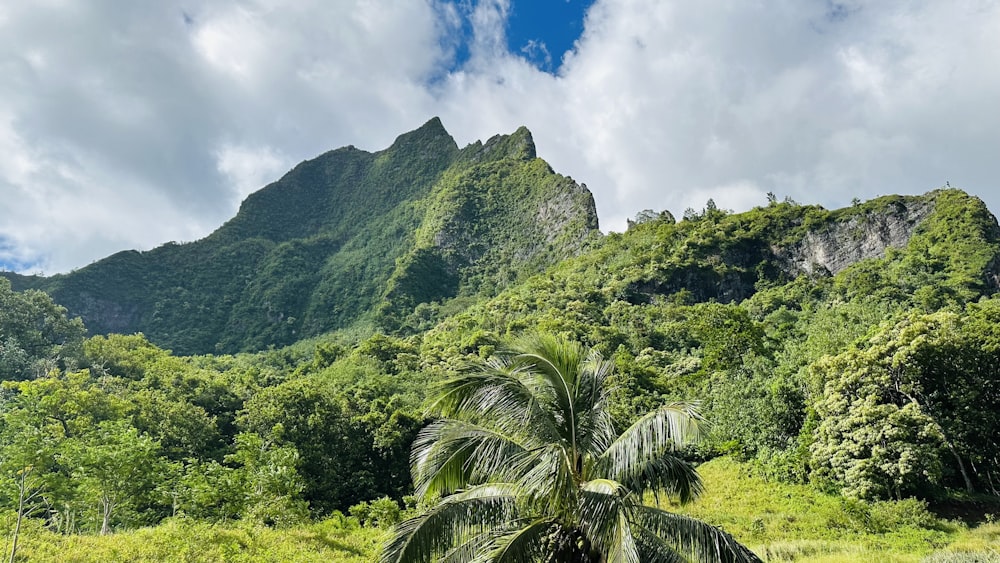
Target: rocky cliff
(838,244)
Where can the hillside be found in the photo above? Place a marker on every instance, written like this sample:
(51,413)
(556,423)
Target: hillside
(347,237)
(835,347)
(938,250)
(844,357)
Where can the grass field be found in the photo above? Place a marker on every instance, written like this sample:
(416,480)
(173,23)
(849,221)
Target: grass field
(781,522)
(187,541)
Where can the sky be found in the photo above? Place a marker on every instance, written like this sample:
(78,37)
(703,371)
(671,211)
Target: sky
(125,125)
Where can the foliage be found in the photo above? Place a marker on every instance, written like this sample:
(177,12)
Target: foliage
(183,539)
(341,450)
(917,397)
(872,377)
(143,435)
(784,522)
(796,522)
(35,334)
(348,238)
(529,467)
(379,513)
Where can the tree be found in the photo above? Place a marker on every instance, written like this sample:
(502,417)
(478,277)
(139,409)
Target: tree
(270,481)
(529,467)
(114,466)
(26,454)
(333,451)
(35,334)
(915,401)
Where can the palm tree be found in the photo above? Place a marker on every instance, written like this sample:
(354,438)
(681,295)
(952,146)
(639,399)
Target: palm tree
(528,467)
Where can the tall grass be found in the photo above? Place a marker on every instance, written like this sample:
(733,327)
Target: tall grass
(186,541)
(784,522)
(780,522)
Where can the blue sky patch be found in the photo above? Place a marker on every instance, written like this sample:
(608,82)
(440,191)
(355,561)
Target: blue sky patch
(542,31)
(539,31)
(8,262)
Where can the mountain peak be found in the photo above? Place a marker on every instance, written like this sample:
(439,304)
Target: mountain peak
(429,136)
(518,145)
(349,236)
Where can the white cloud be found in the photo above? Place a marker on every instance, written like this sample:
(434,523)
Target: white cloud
(249,168)
(127,125)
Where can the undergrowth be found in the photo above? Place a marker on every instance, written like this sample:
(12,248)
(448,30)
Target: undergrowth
(781,522)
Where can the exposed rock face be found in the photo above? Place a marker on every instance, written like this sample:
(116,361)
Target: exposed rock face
(993,274)
(728,258)
(116,317)
(841,244)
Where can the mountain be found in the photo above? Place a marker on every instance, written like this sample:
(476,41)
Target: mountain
(345,238)
(939,250)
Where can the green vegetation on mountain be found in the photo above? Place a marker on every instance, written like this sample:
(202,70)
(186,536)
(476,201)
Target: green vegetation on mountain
(350,238)
(845,360)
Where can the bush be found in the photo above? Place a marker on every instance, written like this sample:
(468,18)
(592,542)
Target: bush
(360,511)
(380,513)
(383,513)
(893,515)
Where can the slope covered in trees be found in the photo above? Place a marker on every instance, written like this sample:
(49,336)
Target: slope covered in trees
(851,352)
(347,238)
(876,380)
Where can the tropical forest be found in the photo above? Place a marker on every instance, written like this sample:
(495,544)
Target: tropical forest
(433,353)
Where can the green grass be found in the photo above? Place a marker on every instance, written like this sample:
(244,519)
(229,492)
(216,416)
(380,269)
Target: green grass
(338,540)
(783,522)
(780,522)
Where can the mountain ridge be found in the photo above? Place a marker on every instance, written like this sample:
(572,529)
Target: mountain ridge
(315,250)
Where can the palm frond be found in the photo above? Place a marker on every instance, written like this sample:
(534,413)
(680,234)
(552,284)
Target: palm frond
(644,448)
(551,366)
(454,521)
(470,550)
(595,429)
(440,467)
(605,515)
(530,468)
(652,549)
(668,475)
(692,537)
(493,394)
(525,544)
(545,479)
(558,357)
(448,455)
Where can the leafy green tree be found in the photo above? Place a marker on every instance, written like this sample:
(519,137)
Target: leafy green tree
(333,450)
(755,413)
(183,430)
(530,468)
(114,467)
(352,436)
(269,480)
(35,334)
(71,401)
(914,404)
(190,411)
(205,490)
(27,450)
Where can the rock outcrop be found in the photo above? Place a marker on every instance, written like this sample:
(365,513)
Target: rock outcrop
(839,244)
